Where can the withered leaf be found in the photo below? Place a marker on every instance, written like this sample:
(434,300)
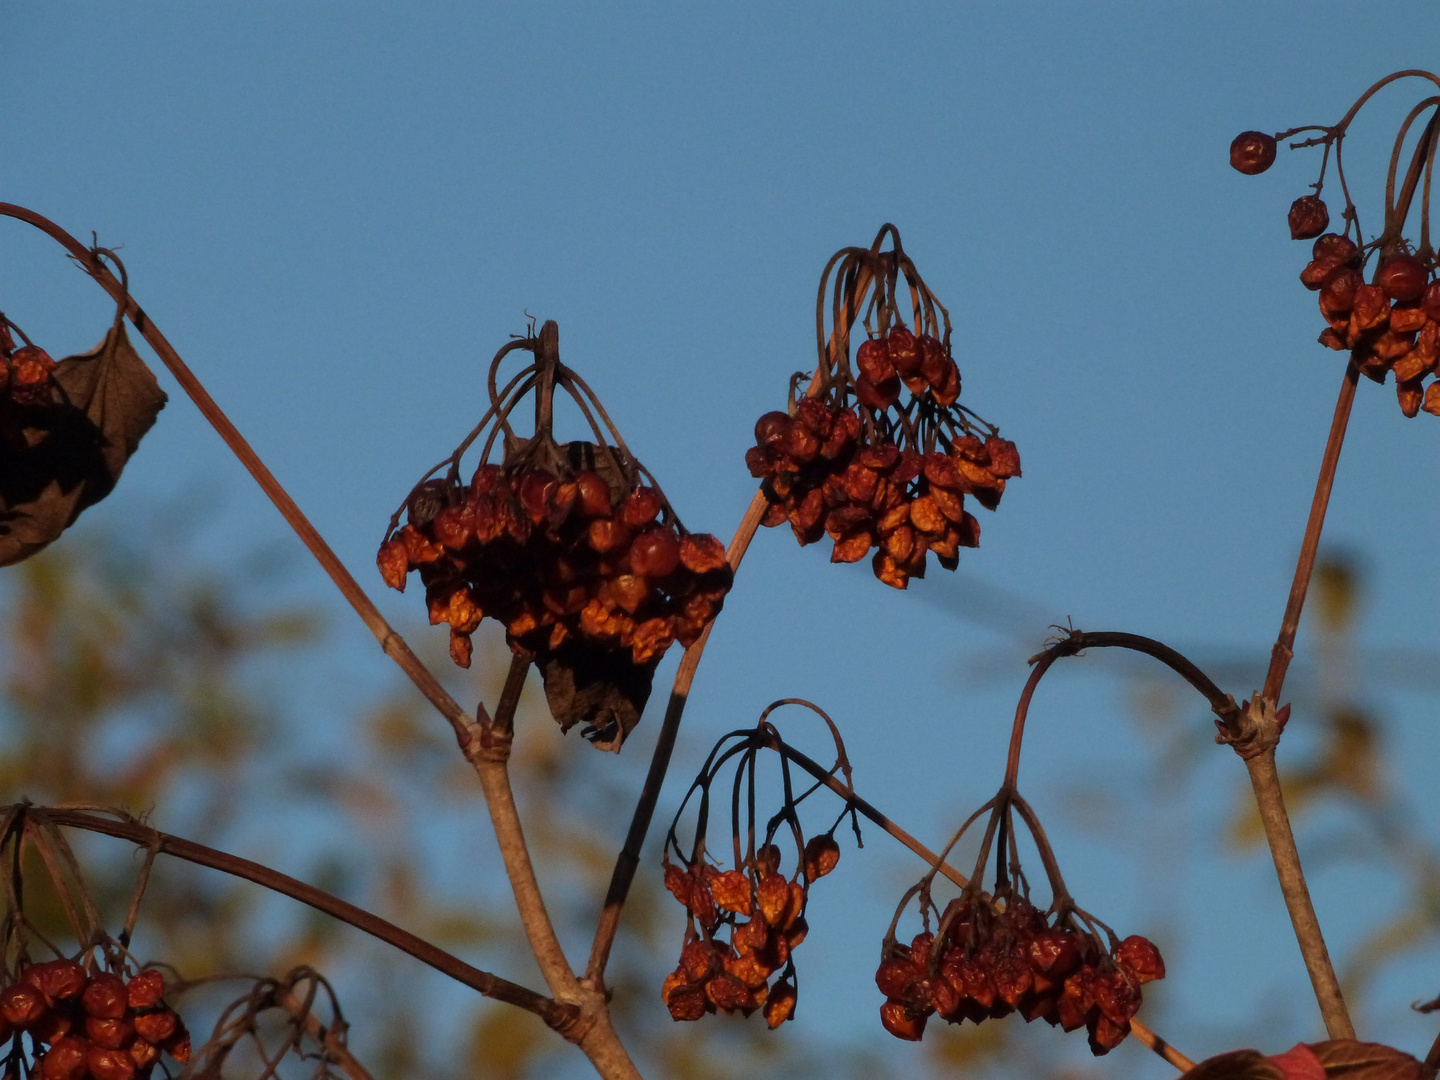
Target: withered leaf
(58,460)
(1236,1065)
(1347,1059)
(603,688)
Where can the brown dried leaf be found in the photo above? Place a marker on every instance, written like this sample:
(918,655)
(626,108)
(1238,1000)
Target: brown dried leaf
(1236,1065)
(1353,1060)
(60,459)
(602,687)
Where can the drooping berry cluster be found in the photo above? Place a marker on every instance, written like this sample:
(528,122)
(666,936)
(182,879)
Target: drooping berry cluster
(763,913)
(880,455)
(572,547)
(1391,323)
(904,504)
(99,1026)
(550,555)
(992,959)
(26,372)
(744,925)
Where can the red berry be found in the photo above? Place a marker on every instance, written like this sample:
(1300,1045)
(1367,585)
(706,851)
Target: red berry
(873,360)
(771,429)
(1332,247)
(1252,152)
(22,1005)
(593,495)
(1338,292)
(655,553)
(1403,278)
(904,352)
(1309,217)
(105,997)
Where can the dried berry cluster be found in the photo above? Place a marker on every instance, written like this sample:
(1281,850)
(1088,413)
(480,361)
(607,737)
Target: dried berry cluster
(552,555)
(822,477)
(26,373)
(98,1026)
(1389,325)
(880,453)
(994,959)
(764,914)
(572,548)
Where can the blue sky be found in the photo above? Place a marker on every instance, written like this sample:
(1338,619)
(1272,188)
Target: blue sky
(337,213)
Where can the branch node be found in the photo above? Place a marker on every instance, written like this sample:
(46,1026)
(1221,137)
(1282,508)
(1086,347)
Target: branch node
(1254,728)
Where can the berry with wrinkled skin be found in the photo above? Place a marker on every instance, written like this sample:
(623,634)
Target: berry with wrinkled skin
(1252,152)
(1309,217)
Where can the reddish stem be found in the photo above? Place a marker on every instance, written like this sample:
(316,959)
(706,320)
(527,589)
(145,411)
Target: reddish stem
(1283,650)
(393,644)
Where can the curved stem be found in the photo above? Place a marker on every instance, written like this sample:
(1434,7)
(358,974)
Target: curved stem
(828,778)
(393,644)
(1222,704)
(557,1015)
(1283,649)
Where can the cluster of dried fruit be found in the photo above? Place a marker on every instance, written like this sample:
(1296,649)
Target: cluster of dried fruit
(993,959)
(827,478)
(26,373)
(583,562)
(550,556)
(98,1026)
(765,915)
(1391,324)
(881,454)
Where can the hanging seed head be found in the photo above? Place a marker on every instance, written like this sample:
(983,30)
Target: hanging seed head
(572,547)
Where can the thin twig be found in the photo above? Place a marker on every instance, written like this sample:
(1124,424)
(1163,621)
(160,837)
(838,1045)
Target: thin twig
(1160,1046)
(557,1015)
(1283,650)
(335,1047)
(393,644)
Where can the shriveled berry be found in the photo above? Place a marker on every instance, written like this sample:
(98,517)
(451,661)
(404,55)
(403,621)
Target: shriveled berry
(732,892)
(773,896)
(1332,247)
(780,1005)
(1140,959)
(902,1022)
(904,352)
(1309,217)
(156,1027)
(109,1034)
(1338,292)
(822,854)
(22,1005)
(874,362)
(1252,152)
(57,979)
(109,1064)
(105,997)
(65,1060)
(1403,278)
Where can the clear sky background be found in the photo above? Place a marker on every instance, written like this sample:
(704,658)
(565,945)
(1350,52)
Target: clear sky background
(337,213)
